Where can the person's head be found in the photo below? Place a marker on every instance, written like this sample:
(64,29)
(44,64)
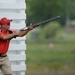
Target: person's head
(5,23)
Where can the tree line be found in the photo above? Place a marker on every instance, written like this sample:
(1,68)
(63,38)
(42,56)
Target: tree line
(37,11)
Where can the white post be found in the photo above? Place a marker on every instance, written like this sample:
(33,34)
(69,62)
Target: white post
(15,9)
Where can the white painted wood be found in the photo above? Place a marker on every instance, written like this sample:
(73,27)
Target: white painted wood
(22,73)
(13,15)
(12,6)
(7,1)
(17,25)
(17,47)
(11,11)
(20,1)
(17,57)
(18,67)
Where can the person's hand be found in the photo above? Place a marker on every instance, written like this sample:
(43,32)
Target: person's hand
(30,27)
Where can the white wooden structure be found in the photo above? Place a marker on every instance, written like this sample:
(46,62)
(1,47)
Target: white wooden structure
(15,10)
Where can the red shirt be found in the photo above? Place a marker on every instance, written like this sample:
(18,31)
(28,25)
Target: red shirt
(4,44)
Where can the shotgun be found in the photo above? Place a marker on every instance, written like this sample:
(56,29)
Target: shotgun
(40,23)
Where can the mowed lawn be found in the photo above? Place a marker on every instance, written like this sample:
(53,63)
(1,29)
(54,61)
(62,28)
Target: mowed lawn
(43,60)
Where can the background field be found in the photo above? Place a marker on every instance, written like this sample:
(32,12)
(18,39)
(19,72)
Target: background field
(43,60)
(42,57)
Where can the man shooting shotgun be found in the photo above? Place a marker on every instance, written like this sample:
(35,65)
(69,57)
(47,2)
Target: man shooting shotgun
(6,34)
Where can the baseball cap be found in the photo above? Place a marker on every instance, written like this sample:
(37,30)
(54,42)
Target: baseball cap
(4,20)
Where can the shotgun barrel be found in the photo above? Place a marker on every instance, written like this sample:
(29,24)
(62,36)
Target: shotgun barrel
(42,22)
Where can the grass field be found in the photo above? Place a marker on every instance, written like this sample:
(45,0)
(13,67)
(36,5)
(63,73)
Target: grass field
(43,60)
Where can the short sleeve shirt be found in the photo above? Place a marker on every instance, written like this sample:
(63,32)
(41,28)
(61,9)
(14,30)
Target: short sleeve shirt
(4,44)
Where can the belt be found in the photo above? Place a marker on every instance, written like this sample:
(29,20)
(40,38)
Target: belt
(3,55)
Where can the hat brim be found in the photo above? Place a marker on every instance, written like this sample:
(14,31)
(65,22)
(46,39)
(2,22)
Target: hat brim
(8,21)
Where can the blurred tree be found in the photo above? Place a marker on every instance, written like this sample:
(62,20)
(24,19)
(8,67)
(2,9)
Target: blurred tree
(44,9)
(68,8)
(49,31)
(38,11)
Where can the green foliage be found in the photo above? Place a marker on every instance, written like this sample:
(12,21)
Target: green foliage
(49,30)
(42,59)
(37,11)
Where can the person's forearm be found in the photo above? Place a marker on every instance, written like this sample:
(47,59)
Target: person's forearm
(23,33)
(9,36)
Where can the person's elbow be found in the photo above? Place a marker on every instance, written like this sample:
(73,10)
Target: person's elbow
(3,37)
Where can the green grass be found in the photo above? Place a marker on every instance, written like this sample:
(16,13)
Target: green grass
(43,60)
(71,36)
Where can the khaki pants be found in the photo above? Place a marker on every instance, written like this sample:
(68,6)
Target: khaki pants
(5,65)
